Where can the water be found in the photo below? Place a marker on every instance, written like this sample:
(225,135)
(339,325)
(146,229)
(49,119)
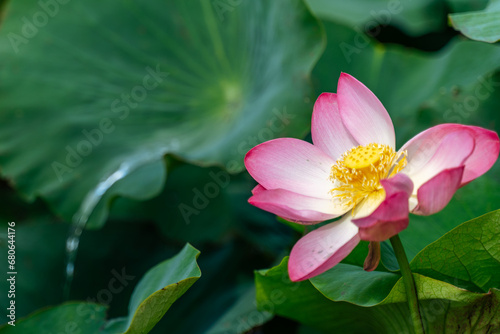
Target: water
(81,218)
(93,198)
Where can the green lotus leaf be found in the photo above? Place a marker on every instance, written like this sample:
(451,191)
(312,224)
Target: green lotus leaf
(94,95)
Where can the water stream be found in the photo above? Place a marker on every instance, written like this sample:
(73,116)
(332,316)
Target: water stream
(81,218)
(93,198)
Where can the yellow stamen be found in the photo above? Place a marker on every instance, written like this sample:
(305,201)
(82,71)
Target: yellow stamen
(357,173)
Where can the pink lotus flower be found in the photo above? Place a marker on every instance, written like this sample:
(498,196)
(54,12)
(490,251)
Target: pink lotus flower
(353,170)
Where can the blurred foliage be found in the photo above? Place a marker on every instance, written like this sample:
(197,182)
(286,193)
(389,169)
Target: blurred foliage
(87,141)
(458,6)
(414,18)
(481,25)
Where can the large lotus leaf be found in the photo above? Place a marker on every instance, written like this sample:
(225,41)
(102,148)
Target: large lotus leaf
(350,283)
(444,307)
(482,25)
(386,288)
(91,92)
(303,303)
(414,17)
(467,256)
(475,199)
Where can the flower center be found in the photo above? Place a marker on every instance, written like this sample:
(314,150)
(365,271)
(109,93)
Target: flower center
(362,156)
(357,173)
